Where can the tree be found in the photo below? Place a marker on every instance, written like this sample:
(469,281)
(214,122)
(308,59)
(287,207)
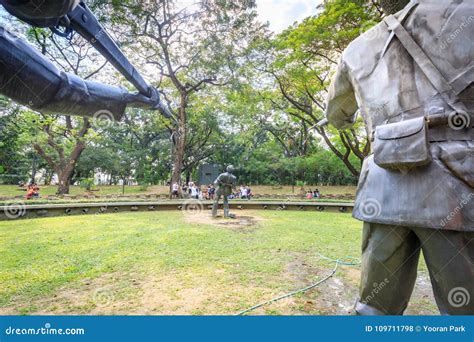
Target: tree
(301,59)
(252,107)
(189,49)
(14,155)
(63,138)
(60,159)
(238,95)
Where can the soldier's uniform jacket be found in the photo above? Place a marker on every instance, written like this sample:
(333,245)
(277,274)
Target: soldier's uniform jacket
(378,77)
(225,182)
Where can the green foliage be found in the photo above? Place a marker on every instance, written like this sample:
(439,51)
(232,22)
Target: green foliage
(87,183)
(297,66)
(15,153)
(245,120)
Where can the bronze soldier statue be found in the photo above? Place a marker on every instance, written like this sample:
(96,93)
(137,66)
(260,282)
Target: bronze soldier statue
(224,183)
(410,77)
(30,79)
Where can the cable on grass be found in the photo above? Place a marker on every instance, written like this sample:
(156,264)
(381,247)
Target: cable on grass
(349,261)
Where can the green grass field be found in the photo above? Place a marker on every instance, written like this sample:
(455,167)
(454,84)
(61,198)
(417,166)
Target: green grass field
(180,263)
(50,190)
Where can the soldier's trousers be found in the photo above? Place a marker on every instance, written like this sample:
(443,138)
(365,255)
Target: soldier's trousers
(390,257)
(215,205)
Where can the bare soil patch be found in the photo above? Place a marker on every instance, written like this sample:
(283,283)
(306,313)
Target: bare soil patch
(241,223)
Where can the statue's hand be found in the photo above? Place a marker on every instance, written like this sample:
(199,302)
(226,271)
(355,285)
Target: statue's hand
(152,102)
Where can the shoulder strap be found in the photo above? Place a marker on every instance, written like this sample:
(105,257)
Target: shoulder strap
(424,62)
(464,80)
(435,77)
(401,18)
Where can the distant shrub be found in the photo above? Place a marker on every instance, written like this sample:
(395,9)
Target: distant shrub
(144,186)
(87,183)
(300,183)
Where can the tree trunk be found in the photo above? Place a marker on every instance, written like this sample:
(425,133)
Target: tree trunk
(66,172)
(64,181)
(48,177)
(64,168)
(33,170)
(179,147)
(179,150)
(188,176)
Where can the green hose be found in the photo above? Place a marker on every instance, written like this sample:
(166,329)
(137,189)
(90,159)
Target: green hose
(350,261)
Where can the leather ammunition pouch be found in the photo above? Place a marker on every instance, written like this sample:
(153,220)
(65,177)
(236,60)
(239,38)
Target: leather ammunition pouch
(402,145)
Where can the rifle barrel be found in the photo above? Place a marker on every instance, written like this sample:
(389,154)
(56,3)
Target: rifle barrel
(86,24)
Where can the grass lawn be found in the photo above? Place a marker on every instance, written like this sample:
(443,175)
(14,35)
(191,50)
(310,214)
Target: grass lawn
(49,190)
(181,263)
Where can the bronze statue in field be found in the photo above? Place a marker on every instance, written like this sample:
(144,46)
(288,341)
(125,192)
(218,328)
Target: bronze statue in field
(224,183)
(411,78)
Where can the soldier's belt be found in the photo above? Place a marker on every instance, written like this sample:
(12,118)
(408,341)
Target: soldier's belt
(440,128)
(453,127)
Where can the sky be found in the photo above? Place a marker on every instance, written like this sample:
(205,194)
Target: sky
(282,13)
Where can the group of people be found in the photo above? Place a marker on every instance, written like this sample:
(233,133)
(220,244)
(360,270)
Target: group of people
(190,189)
(32,191)
(244,192)
(313,194)
(194,191)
